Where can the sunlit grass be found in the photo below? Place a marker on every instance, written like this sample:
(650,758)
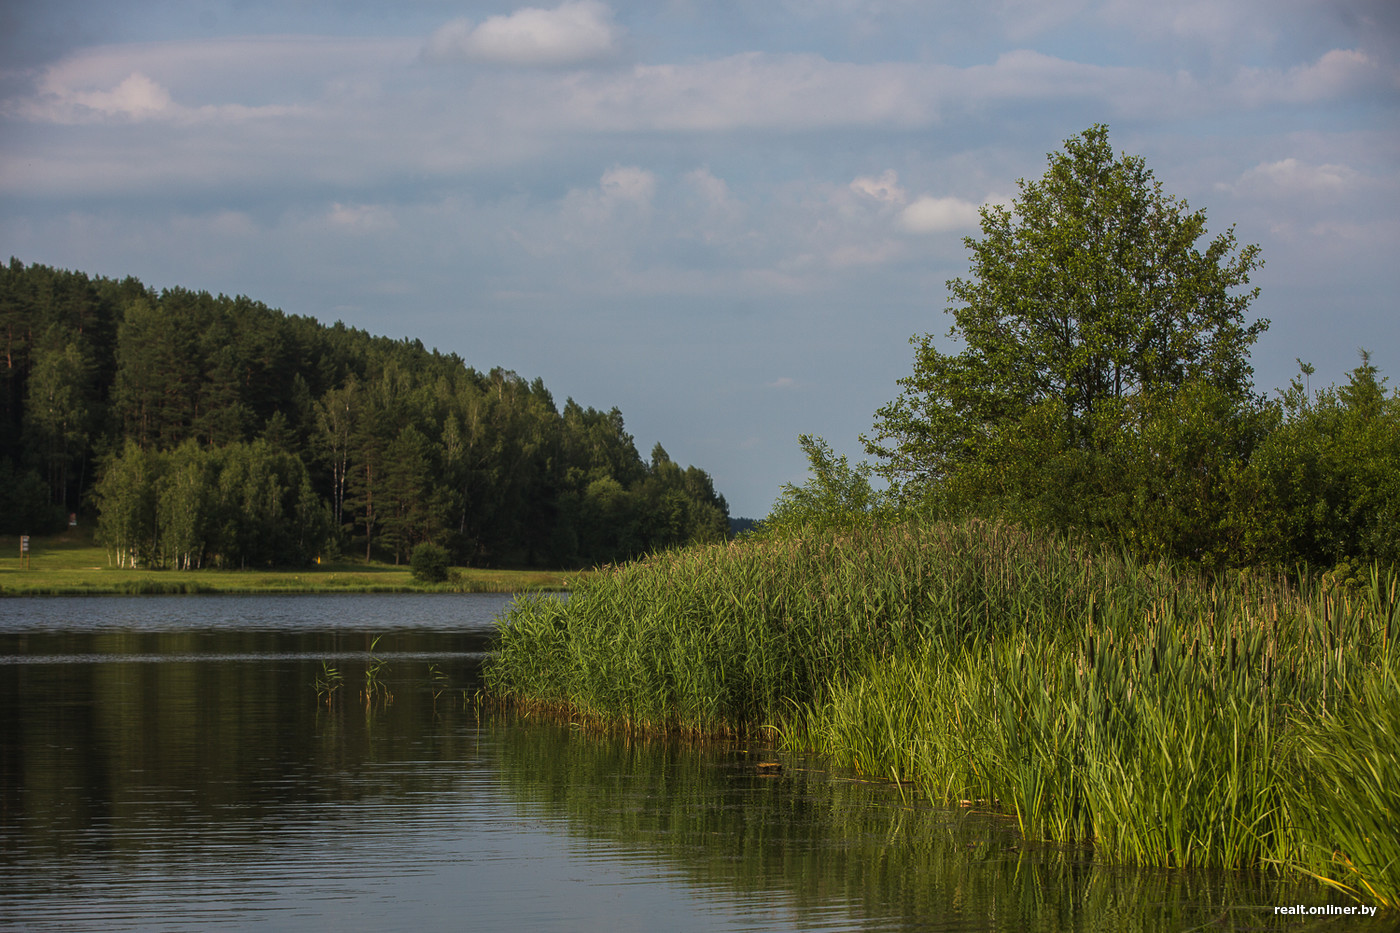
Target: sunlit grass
(72,565)
(1347,783)
(1168,719)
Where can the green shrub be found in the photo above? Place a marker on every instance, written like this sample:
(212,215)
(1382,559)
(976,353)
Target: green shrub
(429,563)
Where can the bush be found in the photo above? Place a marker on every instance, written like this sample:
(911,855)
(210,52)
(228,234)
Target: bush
(429,563)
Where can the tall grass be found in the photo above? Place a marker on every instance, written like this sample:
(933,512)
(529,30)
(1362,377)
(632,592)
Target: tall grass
(1347,782)
(1169,719)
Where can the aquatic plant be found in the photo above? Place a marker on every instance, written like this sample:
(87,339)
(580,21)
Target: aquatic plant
(1346,776)
(374,686)
(439,681)
(328,681)
(1163,715)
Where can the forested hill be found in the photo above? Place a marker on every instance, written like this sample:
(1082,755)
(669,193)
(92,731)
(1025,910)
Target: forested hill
(204,430)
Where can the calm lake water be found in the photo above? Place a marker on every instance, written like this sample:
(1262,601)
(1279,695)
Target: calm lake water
(166,763)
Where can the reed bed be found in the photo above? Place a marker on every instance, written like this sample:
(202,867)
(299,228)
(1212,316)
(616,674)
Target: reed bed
(1169,719)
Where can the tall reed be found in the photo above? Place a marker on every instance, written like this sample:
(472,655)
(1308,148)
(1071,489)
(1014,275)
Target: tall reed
(1166,717)
(1346,779)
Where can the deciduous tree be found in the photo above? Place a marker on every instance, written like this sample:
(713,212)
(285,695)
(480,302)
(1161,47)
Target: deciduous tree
(1093,290)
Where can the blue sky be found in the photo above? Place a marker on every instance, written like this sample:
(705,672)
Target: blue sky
(727,219)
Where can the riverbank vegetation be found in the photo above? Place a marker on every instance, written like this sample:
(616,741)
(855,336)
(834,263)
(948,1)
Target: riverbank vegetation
(71,564)
(1169,718)
(206,431)
(1108,589)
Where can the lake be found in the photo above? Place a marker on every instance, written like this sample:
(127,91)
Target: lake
(168,763)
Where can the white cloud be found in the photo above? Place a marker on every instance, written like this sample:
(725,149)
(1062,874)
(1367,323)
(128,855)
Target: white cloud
(598,219)
(884,189)
(1289,178)
(754,90)
(361,218)
(1024,75)
(138,96)
(939,215)
(1337,74)
(574,32)
(627,183)
(718,215)
(212,81)
(714,191)
(313,110)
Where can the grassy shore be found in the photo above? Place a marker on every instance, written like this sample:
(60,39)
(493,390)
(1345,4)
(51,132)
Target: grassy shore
(71,564)
(1167,719)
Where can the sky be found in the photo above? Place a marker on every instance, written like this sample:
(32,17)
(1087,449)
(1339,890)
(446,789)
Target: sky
(726,219)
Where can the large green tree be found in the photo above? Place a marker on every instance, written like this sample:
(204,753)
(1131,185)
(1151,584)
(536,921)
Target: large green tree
(1093,300)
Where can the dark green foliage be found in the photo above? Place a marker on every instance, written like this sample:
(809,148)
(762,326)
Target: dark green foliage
(1328,475)
(24,503)
(1104,384)
(1090,292)
(429,563)
(403,444)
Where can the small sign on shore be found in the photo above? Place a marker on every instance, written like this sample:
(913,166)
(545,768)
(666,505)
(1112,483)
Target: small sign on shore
(23,552)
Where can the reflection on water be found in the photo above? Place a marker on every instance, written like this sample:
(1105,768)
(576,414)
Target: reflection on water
(166,763)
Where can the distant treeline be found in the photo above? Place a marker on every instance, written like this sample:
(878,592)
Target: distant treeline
(205,430)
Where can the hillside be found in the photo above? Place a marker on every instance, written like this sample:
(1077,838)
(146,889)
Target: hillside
(202,430)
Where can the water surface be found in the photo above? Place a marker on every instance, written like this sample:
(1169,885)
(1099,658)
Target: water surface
(167,763)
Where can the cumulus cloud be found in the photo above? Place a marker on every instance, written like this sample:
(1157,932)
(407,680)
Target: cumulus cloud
(714,190)
(1338,73)
(198,81)
(884,188)
(1289,176)
(348,111)
(135,98)
(718,215)
(1327,203)
(574,32)
(627,183)
(939,215)
(622,198)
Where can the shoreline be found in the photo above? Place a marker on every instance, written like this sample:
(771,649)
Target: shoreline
(71,565)
(177,588)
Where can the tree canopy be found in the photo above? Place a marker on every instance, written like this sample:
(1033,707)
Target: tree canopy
(1099,379)
(1092,303)
(213,430)
(1090,290)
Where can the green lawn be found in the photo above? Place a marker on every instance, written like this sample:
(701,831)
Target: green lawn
(71,564)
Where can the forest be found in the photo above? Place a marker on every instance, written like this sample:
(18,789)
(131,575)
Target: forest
(208,431)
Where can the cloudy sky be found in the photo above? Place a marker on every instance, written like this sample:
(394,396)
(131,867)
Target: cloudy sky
(725,218)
